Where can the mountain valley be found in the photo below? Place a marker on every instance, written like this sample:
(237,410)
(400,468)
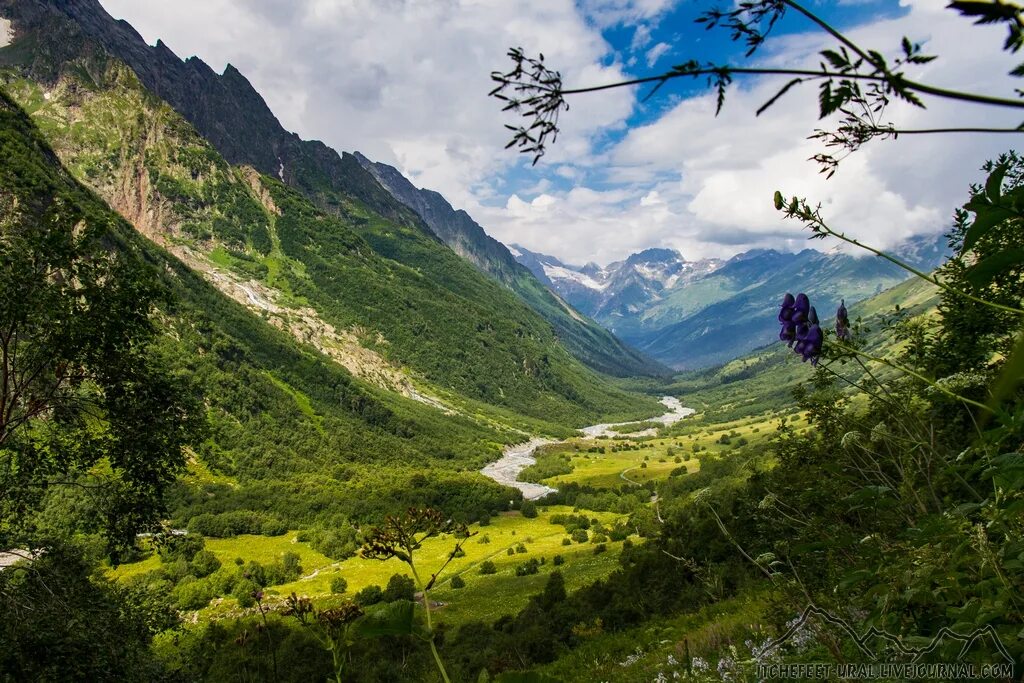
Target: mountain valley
(270,412)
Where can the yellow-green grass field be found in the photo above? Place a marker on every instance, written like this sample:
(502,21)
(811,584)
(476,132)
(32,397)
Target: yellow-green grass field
(614,468)
(484,597)
(609,470)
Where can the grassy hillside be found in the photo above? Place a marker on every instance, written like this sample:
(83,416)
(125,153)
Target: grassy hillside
(291,434)
(426,315)
(581,336)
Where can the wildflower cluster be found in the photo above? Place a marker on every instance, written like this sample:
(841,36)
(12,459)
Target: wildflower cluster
(799,324)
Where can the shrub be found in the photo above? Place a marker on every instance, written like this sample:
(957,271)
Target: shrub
(370,595)
(510,551)
(520,548)
(223,581)
(204,563)
(458,582)
(487,567)
(599,538)
(255,572)
(485,519)
(244,592)
(529,567)
(339,584)
(567,540)
(528,509)
(627,544)
(557,560)
(273,527)
(600,548)
(400,587)
(484,539)
(177,570)
(192,593)
(183,547)
(288,567)
(580,536)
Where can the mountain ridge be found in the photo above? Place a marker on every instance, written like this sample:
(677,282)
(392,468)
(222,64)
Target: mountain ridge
(228,111)
(426,309)
(690,315)
(585,339)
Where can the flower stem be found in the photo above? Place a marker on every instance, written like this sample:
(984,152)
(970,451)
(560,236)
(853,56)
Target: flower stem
(430,627)
(913,373)
(816,220)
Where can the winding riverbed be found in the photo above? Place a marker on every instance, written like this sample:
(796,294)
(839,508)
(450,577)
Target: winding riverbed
(518,457)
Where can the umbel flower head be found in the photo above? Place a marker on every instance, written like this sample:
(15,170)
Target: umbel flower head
(843,322)
(799,324)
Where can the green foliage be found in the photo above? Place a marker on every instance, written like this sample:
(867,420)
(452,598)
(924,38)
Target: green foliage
(245,592)
(400,587)
(370,595)
(61,625)
(457,582)
(339,584)
(528,509)
(549,464)
(204,563)
(87,401)
(487,567)
(531,566)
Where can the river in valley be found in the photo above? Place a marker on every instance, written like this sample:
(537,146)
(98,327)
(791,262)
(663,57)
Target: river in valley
(518,457)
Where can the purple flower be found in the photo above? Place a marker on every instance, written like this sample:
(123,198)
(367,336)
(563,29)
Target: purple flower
(802,307)
(843,322)
(787,332)
(809,338)
(798,322)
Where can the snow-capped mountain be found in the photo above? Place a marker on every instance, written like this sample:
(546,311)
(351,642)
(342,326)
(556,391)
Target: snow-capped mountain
(621,288)
(691,314)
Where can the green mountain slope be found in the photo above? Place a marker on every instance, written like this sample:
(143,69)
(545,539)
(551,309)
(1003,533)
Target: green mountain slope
(582,337)
(763,380)
(731,312)
(292,434)
(384,298)
(235,119)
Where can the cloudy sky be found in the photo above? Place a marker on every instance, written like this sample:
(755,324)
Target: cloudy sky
(406,81)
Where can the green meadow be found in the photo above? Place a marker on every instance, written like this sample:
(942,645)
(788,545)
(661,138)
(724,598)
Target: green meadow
(484,597)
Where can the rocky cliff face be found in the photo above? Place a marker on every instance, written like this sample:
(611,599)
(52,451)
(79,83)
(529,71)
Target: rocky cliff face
(455,228)
(224,108)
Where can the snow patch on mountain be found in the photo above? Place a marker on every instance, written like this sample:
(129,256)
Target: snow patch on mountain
(561,273)
(6,32)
